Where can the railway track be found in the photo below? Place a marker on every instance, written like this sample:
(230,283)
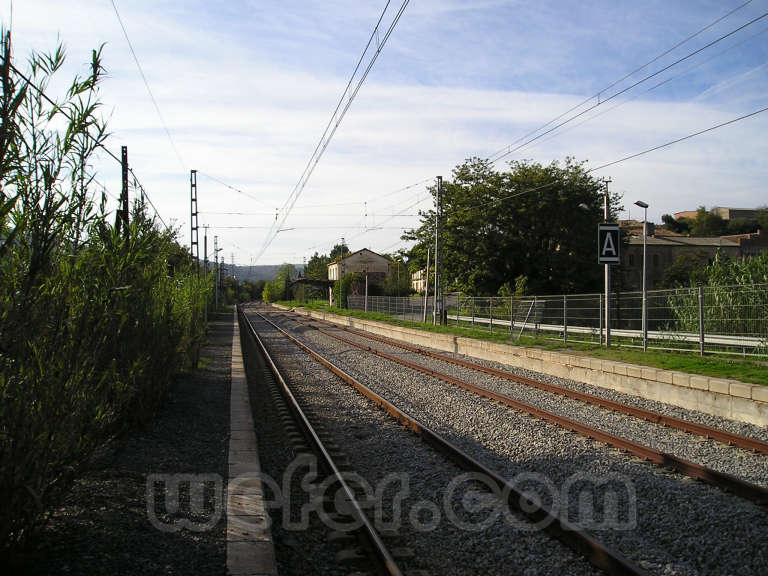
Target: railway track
(535,512)
(757,493)
(382,560)
(683,526)
(702,430)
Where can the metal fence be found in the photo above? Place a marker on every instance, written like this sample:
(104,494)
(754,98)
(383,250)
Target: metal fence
(723,319)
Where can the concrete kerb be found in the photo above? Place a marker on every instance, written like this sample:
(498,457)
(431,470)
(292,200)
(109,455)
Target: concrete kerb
(250,550)
(720,397)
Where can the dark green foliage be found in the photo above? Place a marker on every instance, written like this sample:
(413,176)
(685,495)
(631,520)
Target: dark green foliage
(527,221)
(398,282)
(707,223)
(681,226)
(93,322)
(278,288)
(317,267)
(345,286)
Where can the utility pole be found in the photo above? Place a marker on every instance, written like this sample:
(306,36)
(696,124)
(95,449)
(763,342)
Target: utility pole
(216,272)
(205,270)
(194,245)
(437,308)
(607,314)
(121,219)
(426,289)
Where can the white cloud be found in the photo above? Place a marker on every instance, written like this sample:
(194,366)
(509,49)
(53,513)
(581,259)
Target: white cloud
(245,113)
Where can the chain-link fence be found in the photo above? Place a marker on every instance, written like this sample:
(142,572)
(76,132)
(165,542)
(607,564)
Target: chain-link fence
(725,319)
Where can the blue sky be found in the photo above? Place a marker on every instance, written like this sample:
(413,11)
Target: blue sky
(247,87)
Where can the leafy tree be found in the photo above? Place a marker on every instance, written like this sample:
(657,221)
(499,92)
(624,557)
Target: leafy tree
(527,221)
(685,271)
(317,267)
(707,223)
(741,226)
(681,226)
(398,282)
(762,221)
(277,288)
(338,250)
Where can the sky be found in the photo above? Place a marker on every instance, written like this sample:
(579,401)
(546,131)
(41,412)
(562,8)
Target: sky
(246,89)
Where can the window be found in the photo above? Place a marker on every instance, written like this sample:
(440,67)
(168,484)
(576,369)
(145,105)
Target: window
(631,259)
(655,260)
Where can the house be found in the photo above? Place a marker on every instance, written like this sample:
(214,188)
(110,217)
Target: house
(419,281)
(375,265)
(663,251)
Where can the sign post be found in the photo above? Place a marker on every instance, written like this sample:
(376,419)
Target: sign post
(608,253)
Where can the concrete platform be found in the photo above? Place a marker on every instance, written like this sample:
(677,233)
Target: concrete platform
(720,397)
(250,550)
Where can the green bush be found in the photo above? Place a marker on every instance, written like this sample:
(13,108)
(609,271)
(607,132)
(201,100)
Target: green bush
(94,319)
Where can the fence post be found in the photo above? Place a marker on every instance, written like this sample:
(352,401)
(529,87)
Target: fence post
(565,319)
(473,310)
(511,314)
(535,318)
(601,319)
(701,320)
(490,311)
(458,308)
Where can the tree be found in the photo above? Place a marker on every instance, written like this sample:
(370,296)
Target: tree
(277,288)
(338,250)
(398,282)
(499,226)
(681,226)
(317,267)
(707,223)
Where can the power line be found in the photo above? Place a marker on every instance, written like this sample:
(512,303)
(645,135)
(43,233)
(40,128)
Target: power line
(218,181)
(625,158)
(335,120)
(97,142)
(688,137)
(622,91)
(501,153)
(149,90)
(659,85)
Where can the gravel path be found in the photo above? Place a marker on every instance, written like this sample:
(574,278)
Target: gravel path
(683,526)
(378,447)
(103,526)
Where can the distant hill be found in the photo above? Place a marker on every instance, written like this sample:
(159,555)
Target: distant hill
(259,272)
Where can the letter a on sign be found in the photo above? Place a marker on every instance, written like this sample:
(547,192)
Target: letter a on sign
(608,243)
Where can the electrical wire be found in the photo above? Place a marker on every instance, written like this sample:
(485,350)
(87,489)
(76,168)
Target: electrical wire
(498,157)
(149,90)
(336,119)
(626,76)
(97,142)
(687,137)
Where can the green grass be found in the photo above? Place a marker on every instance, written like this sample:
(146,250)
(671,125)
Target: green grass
(745,370)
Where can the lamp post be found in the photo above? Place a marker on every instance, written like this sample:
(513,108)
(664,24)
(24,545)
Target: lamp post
(644,206)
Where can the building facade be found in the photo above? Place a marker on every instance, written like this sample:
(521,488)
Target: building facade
(366,261)
(419,281)
(665,251)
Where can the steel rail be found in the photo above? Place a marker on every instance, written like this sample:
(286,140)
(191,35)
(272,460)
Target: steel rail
(595,551)
(386,559)
(753,492)
(654,417)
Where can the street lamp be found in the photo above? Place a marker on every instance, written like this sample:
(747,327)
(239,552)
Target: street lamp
(644,206)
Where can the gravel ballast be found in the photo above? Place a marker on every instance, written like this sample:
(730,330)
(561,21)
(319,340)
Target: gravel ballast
(378,447)
(683,526)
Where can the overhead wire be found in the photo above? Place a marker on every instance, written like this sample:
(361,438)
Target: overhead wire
(612,85)
(97,142)
(656,86)
(498,157)
(335,121)
(146,84)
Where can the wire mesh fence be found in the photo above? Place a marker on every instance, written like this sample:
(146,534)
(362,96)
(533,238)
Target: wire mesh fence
(723,319)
